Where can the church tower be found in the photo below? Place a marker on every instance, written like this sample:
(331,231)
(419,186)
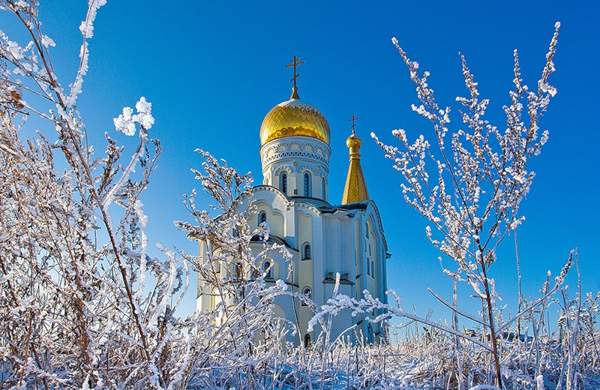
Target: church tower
(355,189)
(294,150)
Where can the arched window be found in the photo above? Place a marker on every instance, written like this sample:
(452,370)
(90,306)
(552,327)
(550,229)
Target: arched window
(307,184)
(262,217)
(372,268)
(368,266)
(283,182)
(306,254)
(268,270)
(239,271)
(307,293)
(324,188)
(307,341)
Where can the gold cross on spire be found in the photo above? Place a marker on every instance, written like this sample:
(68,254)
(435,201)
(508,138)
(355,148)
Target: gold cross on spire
(353,125)
(294,64)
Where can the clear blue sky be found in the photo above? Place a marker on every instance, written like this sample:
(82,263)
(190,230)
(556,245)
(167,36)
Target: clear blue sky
(213,69)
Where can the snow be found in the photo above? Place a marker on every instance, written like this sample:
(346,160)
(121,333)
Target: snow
(47,41)
(87,26)
(126,121)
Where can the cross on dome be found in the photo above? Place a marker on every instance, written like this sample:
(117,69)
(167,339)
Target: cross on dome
(293,117)
(353,121)
(296,61)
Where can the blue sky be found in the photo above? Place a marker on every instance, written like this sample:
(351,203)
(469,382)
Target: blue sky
(213,70)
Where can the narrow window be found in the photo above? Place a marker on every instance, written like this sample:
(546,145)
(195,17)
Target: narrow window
(307,184)
(268,270)
(372,268)
(283,182)
(307,341)
(262,217)
(306,255)
(324,187)
(307,293)
(368,266)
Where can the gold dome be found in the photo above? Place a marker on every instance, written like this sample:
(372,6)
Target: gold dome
(353,143)
(294,118)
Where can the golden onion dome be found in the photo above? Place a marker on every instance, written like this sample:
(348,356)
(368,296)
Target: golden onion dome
(353,143)
(294,118)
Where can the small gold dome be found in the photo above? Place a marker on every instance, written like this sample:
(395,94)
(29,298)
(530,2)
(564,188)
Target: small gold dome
(353,143)
(294,118)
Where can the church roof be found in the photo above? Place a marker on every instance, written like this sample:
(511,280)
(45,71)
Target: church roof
(274,239)
(293,118)
(318,203)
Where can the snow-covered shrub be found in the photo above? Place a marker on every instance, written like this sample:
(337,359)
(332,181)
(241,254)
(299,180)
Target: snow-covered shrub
(469,182)
(81,301)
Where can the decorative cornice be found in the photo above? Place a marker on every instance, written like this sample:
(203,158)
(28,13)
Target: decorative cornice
(293,154)
(294,149)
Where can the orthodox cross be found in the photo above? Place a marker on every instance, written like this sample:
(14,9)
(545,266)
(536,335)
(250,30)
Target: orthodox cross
(353,126)
(294,64)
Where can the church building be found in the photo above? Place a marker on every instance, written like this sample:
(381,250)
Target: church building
(323,236)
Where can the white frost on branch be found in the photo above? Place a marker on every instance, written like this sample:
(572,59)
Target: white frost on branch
(87,26)
(87,31)
(126,121)
(47,41)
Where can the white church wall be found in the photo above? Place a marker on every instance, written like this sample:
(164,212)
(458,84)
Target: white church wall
(370,255)
(341,245)
(277,223)
(281,307)
(305,267)
(319,258)
(344,320)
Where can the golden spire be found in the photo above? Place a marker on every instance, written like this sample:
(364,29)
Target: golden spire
(355,189)
(294,64)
